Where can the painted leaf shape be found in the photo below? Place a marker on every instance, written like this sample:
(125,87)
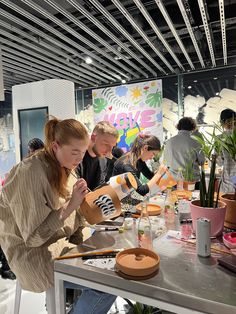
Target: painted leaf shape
(99,104)
(154,99)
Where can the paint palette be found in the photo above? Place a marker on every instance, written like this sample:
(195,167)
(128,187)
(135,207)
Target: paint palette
(229,240)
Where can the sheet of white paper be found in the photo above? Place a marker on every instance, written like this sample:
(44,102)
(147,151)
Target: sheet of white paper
(104,263)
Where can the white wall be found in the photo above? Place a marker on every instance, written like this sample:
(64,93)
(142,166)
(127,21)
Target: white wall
(57,95)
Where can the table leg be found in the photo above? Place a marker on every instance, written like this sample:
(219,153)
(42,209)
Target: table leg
(59,294)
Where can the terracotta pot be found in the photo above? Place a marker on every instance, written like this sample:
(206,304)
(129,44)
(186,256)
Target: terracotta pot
(189,186)
(215,215)
(230,217)
(138,262)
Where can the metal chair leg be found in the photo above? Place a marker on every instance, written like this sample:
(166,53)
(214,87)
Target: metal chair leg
(17,298)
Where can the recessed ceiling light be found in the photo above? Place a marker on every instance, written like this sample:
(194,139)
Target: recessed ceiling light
(123,81)
(195,81)
(215,78)
(88,60)
(189,87)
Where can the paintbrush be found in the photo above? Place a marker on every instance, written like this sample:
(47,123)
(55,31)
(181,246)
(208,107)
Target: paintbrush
(213,247)
(75,176)
(91,253)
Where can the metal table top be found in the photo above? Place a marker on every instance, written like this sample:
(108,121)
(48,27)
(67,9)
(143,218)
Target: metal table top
(184,279)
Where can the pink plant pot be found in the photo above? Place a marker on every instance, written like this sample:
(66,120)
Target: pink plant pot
(215,215)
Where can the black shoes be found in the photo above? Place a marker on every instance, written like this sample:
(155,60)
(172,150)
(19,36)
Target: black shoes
(7,274)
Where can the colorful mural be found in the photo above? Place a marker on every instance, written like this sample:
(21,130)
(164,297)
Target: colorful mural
(131,109)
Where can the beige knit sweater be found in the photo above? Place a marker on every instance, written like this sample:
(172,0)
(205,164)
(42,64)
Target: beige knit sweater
(31,232)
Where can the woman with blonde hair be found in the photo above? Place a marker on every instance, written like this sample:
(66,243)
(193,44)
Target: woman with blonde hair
(39,212)
(144,148)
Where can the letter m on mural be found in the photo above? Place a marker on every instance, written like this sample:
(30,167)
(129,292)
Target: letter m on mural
(132,109)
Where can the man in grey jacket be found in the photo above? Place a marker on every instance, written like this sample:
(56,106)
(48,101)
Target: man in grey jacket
(182,149)
(228,122)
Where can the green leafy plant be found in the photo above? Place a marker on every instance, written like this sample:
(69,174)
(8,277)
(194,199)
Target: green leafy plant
(188,171)
(139,308)
(154,99)
(99,104)
(211,147)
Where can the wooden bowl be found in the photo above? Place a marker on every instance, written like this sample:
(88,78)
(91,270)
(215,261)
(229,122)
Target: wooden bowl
(153,209)
(180,194)
(137,262)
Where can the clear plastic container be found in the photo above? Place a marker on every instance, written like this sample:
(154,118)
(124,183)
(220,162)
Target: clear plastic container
(180,179)
(169,209)
(144,229)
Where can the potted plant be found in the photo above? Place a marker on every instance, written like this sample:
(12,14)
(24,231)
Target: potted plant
(188,173)
(139,308)
(209,205)
(228,142)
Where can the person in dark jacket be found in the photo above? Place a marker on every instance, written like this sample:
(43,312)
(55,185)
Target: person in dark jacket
(93,167)
(144,148)
(34,145)
(116,153)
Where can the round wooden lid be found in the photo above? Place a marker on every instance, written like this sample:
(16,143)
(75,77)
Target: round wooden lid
(137,262)
(153,209)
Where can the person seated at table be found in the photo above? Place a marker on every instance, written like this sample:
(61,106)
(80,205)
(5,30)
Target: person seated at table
(228,122)
(39,211)
(5,271)
(144,148)
(182,149)
(116,153)
(93,166)
(34,144)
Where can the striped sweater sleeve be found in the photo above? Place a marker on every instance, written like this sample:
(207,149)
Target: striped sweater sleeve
(25,194)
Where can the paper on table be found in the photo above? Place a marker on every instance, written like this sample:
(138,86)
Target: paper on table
(104,263)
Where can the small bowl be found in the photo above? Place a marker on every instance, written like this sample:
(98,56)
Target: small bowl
(153,209)
(137,262)
(229,240)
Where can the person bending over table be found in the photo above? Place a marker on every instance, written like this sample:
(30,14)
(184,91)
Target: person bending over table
(144,148)
(93,168)
(39,212)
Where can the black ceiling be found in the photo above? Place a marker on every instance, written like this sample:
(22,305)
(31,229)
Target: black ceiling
(127,39)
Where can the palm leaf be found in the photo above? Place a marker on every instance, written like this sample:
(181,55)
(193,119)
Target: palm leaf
(154,99)
(99,104)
